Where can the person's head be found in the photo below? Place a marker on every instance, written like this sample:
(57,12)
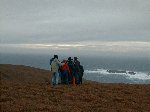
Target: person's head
(64,61)
(69,59)
(75,58)
(55,56)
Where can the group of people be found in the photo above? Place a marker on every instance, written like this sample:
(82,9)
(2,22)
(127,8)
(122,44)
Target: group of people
(68,71)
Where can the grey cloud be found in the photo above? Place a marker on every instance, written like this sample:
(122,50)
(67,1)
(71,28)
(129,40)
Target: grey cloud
(36,21)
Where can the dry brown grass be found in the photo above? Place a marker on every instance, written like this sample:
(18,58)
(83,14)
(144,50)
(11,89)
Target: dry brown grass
(31,92)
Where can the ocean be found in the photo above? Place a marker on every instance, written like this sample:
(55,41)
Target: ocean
(101,69)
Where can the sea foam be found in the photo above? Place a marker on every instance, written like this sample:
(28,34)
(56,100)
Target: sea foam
(137,75)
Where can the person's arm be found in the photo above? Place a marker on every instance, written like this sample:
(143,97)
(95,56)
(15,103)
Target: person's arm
(82,69)
(59,63)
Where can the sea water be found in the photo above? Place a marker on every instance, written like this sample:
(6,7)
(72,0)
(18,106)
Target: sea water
(96,68)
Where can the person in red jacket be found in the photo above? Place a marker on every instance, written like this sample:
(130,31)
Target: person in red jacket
(65,72)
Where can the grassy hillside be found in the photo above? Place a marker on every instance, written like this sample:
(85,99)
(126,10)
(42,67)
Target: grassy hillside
(20,73)
(26,89)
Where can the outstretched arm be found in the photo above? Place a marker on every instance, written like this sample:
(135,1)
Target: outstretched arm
(59,63)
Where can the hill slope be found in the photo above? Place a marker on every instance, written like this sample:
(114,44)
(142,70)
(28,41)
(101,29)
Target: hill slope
(20,73)
(26,89)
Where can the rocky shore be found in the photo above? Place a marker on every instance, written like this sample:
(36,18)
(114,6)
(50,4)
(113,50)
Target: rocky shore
(25,88)
(121,71)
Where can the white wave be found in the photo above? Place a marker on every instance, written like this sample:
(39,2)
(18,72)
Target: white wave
(137,75)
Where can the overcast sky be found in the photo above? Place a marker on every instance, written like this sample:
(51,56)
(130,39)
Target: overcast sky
(76,23)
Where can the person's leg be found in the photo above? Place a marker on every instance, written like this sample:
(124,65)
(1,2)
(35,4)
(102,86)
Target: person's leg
(60,77)
(57,77)
(66,77)
(80,78)
(69,78)
(77,77)
(72,76)
(53,78)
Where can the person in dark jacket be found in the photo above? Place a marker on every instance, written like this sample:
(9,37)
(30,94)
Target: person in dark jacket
(81,74)
(77,70)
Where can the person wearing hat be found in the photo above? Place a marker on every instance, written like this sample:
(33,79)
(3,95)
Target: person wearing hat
(55,70)
(77,70)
